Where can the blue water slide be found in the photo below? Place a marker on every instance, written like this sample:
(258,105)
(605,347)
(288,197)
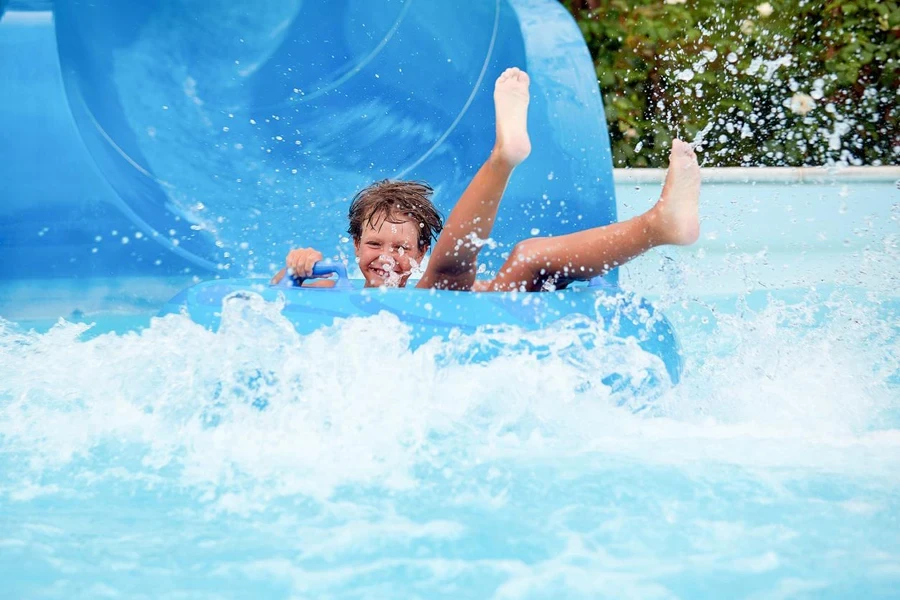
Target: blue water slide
(228,132)
(58,215)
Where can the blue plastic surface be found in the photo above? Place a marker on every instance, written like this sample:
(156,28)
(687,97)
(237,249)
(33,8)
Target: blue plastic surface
(58,215)
(229,132)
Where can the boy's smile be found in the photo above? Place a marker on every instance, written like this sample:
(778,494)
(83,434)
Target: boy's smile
(388,252)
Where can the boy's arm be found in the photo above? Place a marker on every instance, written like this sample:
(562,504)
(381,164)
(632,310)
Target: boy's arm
(278,277)
(453,259)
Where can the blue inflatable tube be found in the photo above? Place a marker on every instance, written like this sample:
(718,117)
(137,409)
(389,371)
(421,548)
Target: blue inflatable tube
(438,313)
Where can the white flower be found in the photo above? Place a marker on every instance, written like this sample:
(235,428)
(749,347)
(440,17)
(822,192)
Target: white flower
(764,9)
(747,27)
(801,103)
(674,1)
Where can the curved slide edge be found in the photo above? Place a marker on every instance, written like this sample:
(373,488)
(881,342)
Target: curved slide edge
(59,218)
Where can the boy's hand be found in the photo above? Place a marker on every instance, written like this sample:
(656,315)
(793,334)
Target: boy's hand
(299,264)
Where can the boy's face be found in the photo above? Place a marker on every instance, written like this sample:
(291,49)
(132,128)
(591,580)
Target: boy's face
(388,253)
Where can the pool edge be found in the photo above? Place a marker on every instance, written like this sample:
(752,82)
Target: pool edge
(769,174)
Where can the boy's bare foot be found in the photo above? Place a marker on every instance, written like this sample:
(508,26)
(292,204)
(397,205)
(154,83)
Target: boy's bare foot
(676,217)
(511,105)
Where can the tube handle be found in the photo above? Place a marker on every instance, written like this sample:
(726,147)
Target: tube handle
(323,267)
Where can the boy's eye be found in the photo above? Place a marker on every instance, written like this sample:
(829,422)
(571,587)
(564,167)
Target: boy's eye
(372,244)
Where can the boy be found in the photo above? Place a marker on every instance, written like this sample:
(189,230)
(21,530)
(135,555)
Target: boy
(393,223)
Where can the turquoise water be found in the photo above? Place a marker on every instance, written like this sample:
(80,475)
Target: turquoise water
(148,458)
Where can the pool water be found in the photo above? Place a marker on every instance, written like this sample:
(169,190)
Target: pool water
(147,457)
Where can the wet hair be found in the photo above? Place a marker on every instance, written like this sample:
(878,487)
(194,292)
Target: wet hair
(392,202)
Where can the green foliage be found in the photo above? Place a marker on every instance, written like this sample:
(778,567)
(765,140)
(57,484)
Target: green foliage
(784,82)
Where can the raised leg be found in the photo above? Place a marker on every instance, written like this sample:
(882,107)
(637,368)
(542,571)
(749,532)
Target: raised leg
(585,254)
(453,260)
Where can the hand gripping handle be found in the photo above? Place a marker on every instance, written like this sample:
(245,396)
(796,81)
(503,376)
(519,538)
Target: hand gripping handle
(324,267)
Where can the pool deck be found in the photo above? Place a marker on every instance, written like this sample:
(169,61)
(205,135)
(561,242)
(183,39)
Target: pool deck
(770,174)
(774,228)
